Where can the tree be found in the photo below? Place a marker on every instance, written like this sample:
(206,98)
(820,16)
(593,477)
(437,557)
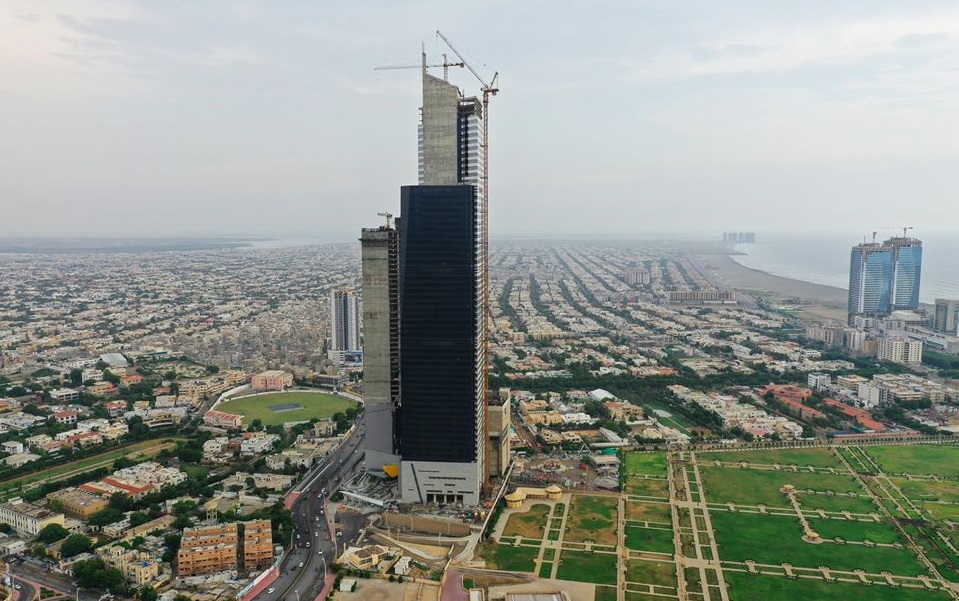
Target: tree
(256,424)
(52,533)
(138,519)
(75,545)
(148,593)
(121,501)
(76,377)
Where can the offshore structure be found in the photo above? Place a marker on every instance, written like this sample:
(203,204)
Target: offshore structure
(425,309)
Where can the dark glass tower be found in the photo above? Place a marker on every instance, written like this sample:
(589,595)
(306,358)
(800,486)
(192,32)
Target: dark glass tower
(441,283)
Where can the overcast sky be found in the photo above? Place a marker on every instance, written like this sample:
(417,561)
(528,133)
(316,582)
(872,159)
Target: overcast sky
(165,117)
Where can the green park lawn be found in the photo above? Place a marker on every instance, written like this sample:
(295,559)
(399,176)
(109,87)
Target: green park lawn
(529,524)
(592,518)
(509,558)
(653,464)
(314,404)
(798,457)
(660,573)
(754,486)
(654,540)
(599,568)
(941,460)
(755,587)
(743,536)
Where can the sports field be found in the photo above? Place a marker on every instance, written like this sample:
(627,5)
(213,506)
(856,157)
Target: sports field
(277,408)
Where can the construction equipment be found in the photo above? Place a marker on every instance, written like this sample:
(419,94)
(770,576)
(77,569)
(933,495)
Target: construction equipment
(389,219)
(905,229)
(445,64)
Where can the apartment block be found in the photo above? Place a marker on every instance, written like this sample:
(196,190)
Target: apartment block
(257,545)
(208,549)
(900,350)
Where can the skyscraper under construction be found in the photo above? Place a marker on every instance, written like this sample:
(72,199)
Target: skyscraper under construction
(436,402)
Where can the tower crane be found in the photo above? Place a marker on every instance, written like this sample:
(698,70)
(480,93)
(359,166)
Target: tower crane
(389,219)
(445,64)
(905,228)
(489,89)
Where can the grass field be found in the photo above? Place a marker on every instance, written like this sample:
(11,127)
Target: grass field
(858,504)
(314,404)
(592,518)
(855,531)
(754,587)
(752,486)
(648,487)
(509,558)
(529,524)
(653,464)
(798,457)
(654,540)
(662,573)
(743,536)
(648,512)
(141,451)
(599,568)
(942,460)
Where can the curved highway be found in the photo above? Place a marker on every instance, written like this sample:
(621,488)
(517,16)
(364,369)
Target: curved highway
(307,562)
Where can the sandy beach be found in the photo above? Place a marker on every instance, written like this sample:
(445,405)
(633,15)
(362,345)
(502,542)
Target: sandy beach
(821,303)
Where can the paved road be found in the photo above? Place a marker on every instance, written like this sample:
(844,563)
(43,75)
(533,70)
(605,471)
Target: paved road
(52,580)
(26,592)
(303,569)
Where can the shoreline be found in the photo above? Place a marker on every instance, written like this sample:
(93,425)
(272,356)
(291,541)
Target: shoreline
(819,302)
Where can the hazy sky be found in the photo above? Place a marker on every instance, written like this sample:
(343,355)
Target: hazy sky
(166,117)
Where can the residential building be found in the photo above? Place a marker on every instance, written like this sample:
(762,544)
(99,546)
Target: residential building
(900,350)
(273,379)
(345,321)
(221,419)
(138,568)
(498,424)
(257,545)
(26,518)
(64,395)
(947,316)
(12,446)
(208,549)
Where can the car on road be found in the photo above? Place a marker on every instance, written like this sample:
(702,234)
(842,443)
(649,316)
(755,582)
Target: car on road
(17,586)
(339,534)
(307,544)
(270,591)
(301,565)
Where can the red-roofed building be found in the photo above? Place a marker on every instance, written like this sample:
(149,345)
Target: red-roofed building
(859,417)
(801,411)
(131,380)
(787,391)
(66,417)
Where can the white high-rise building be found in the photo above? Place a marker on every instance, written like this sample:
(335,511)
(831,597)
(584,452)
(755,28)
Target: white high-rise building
(344,322)
(900,350)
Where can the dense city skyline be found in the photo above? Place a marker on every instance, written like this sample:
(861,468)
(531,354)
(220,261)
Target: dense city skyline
(144,118)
